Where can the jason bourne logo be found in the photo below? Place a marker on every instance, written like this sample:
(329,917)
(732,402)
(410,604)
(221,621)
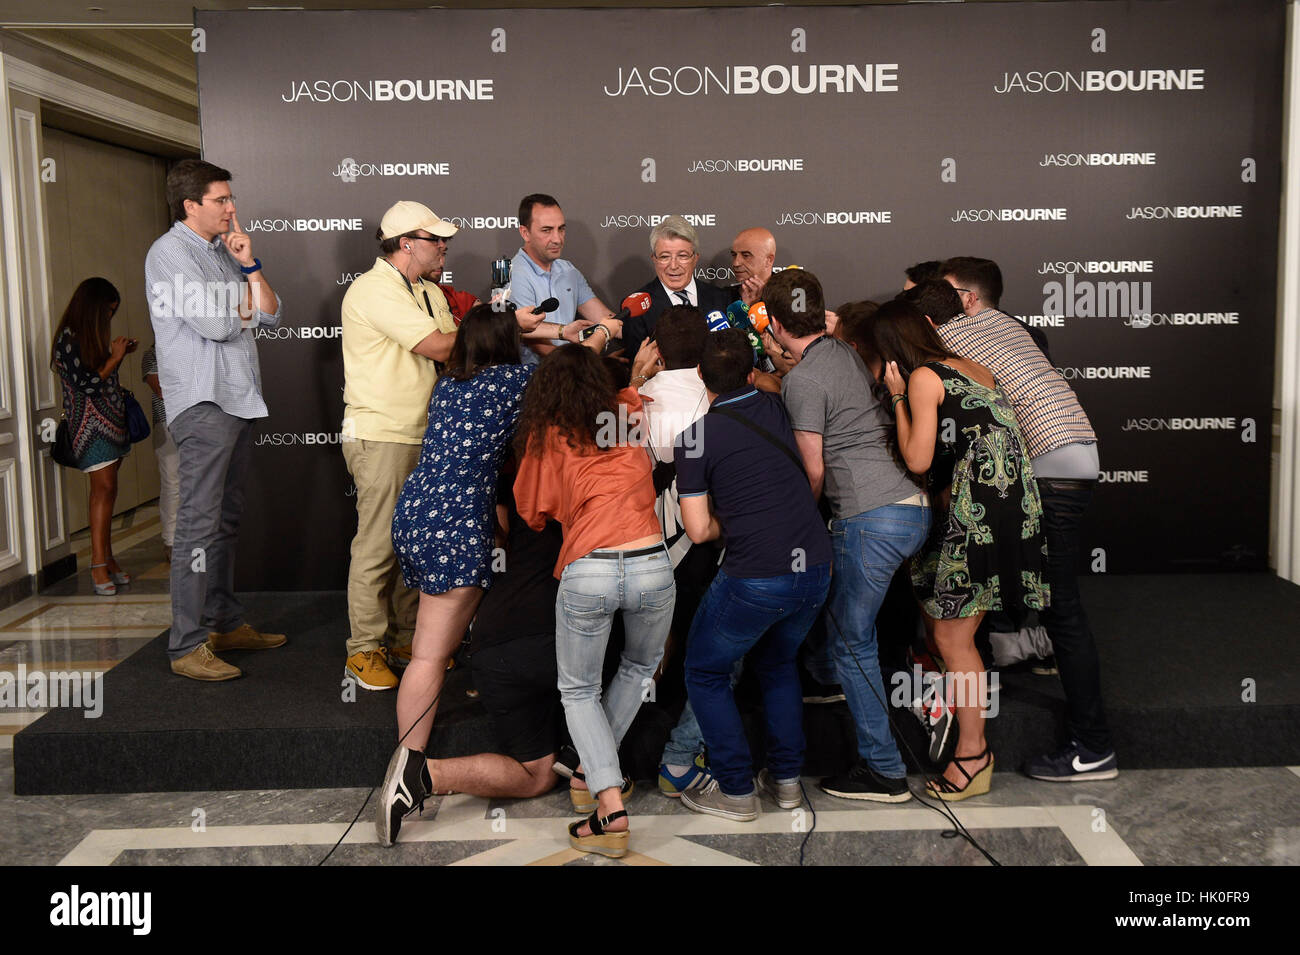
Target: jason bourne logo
(483,222)
(306,331)
(633,221)
(747,80)
(1101,81)
(1093,267)
(1010,215)
(349,170)
(1180,424)
(304,225)
(385,91)
(1105,372)
(1098,159)
(1157,319)
(837,217)
(745,165)
(289,439)
(1184,212)
(1123,477)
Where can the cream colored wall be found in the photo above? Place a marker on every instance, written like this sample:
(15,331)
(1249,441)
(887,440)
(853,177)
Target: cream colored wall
(104,209)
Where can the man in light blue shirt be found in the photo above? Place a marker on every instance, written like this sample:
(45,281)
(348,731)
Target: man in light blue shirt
(206,294)
(537,272)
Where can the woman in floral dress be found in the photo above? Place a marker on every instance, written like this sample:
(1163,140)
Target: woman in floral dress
(987,549)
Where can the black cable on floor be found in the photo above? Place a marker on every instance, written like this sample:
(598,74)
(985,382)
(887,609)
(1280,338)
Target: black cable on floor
(942,808)
(373,788)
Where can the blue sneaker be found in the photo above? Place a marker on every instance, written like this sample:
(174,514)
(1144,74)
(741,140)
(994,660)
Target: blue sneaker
(696,776)
(1074,764)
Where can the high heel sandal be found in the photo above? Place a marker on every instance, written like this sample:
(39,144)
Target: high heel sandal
(610,844)
(120,576)
(582,799)
(976,785)
(107,589)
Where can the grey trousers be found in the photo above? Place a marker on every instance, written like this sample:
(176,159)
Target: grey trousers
(214,450)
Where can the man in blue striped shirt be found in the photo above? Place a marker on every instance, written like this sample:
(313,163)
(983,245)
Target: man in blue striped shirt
(207,293)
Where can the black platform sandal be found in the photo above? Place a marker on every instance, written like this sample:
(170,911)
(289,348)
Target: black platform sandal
(976,785)
(610,844)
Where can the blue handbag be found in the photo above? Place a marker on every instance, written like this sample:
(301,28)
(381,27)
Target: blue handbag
(137,425)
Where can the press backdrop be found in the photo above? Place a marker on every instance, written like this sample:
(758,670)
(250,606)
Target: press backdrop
(1119,160)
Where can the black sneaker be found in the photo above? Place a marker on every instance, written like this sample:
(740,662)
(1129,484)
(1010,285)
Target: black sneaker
(566,762)
(1074,764)
(816,692)
(862,782)
(406,785)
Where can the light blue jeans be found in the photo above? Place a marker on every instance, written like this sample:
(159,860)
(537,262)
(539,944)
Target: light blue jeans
(867,548)
(591,590)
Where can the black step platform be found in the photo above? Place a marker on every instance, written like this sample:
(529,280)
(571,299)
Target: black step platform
(1198,671)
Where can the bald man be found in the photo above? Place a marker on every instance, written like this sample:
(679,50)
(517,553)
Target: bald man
(753,253)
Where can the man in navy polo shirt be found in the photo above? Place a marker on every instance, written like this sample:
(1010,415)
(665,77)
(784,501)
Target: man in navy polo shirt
(739,477)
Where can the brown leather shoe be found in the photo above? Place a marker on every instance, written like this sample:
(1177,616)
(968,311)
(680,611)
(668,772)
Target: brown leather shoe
(201,664)
(244,638)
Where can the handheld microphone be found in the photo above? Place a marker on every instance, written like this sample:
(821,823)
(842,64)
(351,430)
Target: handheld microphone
(638,303)
(717,321)
(550,305)
(738,317)
(758,318)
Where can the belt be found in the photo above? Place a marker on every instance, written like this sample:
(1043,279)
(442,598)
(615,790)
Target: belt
(919,499)
(616,554)
(1068,484)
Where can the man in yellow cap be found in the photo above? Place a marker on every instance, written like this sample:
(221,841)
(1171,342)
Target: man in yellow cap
(397,327)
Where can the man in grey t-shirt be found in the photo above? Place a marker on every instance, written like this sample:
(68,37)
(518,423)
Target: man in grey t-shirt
(879,517)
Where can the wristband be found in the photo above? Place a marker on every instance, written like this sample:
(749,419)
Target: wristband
(608,336)
(640,378)
(250,269)
(894,404)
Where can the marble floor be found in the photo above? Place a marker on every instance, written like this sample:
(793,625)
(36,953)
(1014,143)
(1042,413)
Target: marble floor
(1204,817)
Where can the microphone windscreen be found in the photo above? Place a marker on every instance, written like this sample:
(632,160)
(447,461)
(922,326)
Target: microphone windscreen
(638,303)
(550,305)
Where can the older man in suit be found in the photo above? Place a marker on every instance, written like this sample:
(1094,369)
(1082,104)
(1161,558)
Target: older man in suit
(674,252)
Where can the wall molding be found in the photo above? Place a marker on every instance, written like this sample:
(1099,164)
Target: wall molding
(48,85)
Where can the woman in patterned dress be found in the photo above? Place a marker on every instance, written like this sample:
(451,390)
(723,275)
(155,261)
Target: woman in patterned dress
(986,550)
(444,527)
(87,362)
(443,522)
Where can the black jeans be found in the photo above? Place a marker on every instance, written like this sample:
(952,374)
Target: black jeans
(1076,653)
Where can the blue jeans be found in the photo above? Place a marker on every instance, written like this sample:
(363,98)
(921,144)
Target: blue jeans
(686,741)
(591,590)
(868,548)
(771,616)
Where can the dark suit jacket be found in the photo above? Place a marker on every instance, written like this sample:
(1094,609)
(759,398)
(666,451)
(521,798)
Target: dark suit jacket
(637,330)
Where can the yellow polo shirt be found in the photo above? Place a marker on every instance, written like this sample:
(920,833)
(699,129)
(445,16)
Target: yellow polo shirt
(386,385)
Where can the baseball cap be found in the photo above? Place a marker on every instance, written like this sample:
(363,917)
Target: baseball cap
(407,216)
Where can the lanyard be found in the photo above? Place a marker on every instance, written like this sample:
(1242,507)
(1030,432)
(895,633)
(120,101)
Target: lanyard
(428,306)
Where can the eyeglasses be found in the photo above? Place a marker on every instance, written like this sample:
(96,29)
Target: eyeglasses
(219,200)
(432,238)
(666,257)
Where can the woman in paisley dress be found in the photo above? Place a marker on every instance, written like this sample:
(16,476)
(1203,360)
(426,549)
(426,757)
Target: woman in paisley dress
(987,550)
(87,362)
(443,522)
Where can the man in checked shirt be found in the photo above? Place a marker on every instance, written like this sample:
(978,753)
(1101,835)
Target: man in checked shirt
(207,292)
